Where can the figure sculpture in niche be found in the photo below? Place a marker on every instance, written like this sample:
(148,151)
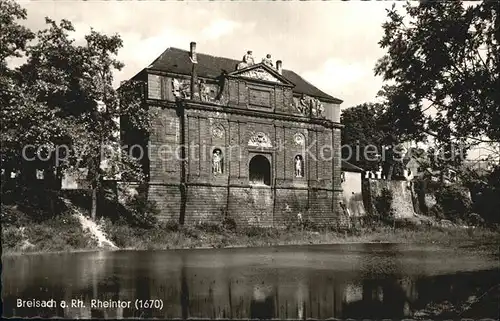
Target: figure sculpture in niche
(304,105)
(176,85)
(298,166)
(217,162)
(247,60)
(204,91)
(267,61)
(181,88)
(317,108)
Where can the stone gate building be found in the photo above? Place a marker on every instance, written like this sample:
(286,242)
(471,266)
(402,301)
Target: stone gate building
(245,138)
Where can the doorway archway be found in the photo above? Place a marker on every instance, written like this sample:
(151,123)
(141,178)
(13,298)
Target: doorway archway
(259,170)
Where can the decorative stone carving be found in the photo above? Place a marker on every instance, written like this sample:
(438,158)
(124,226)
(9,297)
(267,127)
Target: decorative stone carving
(217,159)
(299,166)
(267,61)
(303,105)
(317,109)
(246,61)
(218,131)
(309,106)
(299,139)
(260,74)
(260,140)
(181,88)
(208,92)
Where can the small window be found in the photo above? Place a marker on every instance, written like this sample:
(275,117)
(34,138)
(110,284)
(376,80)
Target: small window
(217,162)
(299,166)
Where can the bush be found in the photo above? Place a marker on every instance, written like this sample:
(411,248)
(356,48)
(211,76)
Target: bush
(383,204)
(485,191)
(209,227)
(191,232)
(229,224)
(253,231)
(454,202)
(437,212)
(144,212)
(11,237)
(475,220)
(223,223)
(170,225)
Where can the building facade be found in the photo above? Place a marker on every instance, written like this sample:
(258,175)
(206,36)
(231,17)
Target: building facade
(245,139)
(352,190)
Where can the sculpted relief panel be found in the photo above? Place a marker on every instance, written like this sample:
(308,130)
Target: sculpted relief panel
(218,131)
(208,92)
(309,106)
(181,88)
(260,74)
(299,139)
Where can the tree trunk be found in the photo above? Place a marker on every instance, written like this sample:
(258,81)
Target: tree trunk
(93,212)
(389,172)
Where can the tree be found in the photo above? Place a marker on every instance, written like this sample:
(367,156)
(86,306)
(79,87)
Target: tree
(361,130)
(369,139)
(56,100)
(13,40)
(443,56)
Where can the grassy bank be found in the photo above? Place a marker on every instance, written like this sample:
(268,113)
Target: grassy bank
(24,233)
(206,237)
(64,233)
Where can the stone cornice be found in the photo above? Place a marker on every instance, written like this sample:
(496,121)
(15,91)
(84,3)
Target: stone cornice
(188,76)
(245,112)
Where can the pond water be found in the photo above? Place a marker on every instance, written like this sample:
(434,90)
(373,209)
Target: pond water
(320,281)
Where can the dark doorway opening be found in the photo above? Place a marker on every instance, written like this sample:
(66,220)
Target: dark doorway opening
(260,171)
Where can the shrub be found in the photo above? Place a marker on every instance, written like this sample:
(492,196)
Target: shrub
(309,224)
(209,227)
(229,224)
(253,231)
(454,202)
(11,237)
(383,204)
(437,212)
(170,225)
(144,212)
(475,220)
(191,232)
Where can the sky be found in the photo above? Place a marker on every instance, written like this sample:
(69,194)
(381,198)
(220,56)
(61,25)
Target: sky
(333,45)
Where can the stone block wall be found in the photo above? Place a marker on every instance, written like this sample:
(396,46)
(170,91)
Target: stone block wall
(168,200)
(205,204)
(402,202)
(250,109)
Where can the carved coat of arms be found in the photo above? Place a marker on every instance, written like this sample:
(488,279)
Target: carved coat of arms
(260,140)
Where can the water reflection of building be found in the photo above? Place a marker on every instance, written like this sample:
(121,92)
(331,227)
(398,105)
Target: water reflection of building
(195,286)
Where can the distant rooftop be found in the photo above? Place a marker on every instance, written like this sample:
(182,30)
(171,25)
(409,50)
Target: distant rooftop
(348,167)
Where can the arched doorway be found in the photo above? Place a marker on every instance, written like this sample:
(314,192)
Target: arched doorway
(260,170)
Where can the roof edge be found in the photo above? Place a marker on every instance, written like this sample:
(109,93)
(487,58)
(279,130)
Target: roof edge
(348,167)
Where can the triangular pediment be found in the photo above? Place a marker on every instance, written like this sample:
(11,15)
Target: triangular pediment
(261,72)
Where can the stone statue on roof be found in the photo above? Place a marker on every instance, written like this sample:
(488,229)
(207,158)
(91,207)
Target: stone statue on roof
(267,61)
(246,61)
